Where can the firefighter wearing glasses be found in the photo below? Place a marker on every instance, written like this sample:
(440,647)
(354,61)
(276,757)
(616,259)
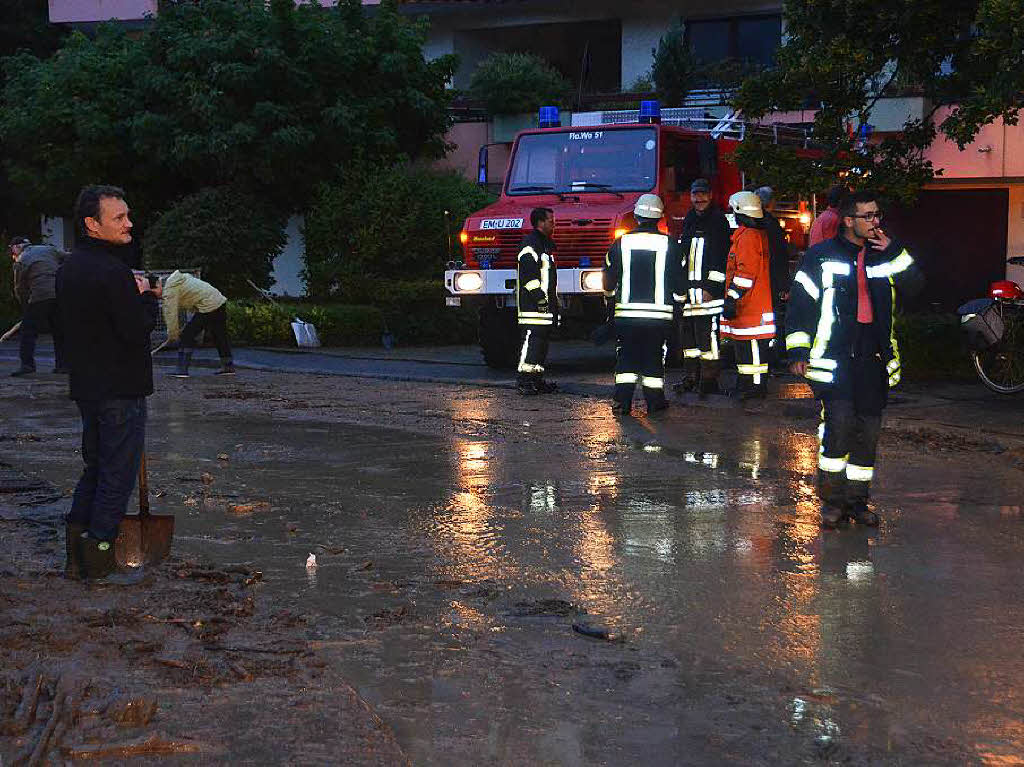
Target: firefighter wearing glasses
(841,339)
(537,304)
(705,244)
(643,275)
(748,318)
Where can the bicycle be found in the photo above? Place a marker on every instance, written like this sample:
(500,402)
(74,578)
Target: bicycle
(995,328)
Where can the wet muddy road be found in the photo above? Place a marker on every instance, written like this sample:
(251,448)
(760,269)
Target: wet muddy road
(530,581)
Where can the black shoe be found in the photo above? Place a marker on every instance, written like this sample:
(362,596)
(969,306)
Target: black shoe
(23,371)
(546,387)
(707,387)
(833,516)
(862,515)
(184,360)
(621,408)
(527,388)
(227,368)
(73,550)
(61,371)
(688,384)
(657,408)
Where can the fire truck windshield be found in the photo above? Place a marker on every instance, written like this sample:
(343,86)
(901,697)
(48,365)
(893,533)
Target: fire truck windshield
(585,160)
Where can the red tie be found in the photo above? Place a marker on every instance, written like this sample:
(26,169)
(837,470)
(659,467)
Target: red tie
(864,312)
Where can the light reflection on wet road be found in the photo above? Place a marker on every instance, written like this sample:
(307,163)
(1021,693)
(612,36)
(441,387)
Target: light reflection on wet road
(750,636)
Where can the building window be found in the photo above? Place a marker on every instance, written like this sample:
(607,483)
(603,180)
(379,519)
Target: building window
(752,39)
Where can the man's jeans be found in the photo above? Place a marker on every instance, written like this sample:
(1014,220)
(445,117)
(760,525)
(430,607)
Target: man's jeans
(113,437)
(40,316)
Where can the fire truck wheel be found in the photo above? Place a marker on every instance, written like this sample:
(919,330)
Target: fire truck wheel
(499,337)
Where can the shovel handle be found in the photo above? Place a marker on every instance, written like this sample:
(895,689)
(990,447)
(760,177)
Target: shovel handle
(143,487)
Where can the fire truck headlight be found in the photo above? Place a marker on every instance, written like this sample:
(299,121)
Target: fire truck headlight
(805,220)
(593,281)
(468,282)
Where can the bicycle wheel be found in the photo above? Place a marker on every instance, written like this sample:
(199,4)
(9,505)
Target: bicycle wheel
(1001,367)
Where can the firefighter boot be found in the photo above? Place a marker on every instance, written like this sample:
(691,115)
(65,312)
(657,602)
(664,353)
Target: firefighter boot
(184,360)
(857,504)
(526,384)
(73,549)
(691,377)
(832,490)
(709,378)
(227,367)
(546,387)
(99,565)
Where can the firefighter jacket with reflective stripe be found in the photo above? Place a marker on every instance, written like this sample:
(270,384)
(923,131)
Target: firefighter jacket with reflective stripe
(821,320)
(536,297)
(705,244)
(747,282)
(643,270)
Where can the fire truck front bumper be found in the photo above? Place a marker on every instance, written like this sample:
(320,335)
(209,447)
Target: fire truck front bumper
(469,283)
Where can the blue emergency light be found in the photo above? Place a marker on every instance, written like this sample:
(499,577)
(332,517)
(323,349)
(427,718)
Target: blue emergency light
(548,118)
(650,112)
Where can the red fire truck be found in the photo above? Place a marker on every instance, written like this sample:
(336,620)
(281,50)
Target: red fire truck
(591,176)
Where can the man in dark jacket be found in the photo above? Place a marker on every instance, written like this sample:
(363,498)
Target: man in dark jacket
(108,316)
(705,244)
(35,275)
(778,267)
(841,338)
(536,302)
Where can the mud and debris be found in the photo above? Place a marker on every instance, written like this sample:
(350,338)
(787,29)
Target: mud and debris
(513,582)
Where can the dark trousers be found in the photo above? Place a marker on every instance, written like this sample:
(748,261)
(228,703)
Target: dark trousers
(113,437)
(851,422)
(700,337)
(40,317)
(752,363)
(215,323)
(640,358)
(533,352)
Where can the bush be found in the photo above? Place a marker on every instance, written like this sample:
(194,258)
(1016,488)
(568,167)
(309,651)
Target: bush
(673,68)
(226,231)
(10,309)
(511,83)
(932,347)
(387,223)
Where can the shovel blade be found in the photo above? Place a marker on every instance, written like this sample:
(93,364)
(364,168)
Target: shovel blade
(144,539)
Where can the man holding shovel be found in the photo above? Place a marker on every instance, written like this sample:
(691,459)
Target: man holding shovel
(108,315)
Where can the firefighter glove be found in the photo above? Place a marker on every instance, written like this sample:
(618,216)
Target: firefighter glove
(729,310)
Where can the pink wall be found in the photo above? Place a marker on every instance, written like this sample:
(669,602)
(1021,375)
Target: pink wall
(100,10)
(996,152)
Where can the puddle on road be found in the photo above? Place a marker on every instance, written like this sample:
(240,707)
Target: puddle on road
(450,572)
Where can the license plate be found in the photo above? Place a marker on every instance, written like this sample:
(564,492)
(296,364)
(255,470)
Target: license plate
(452,301)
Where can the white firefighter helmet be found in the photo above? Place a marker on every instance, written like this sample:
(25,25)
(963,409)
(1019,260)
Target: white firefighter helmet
(649,206)
(747,203)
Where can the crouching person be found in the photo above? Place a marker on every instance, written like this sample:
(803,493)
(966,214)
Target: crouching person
(108,315)
(183,292)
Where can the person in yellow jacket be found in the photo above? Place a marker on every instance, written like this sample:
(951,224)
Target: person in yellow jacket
(183,292)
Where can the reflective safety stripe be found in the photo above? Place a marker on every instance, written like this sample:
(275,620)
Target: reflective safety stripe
(768,317)
(709,356)
(643,315)
(656,243)
(743,282)
(824,363)
(649,382)
(829,269)
(713,354)
(542,315)
(893,369)
(696,260)
(701,310)
(893,366)
(532,285)
(821,376)
(535,321)
(609,293)
(545,273)
(807,284)
(714,276)
(522,354)
(798,340)
(752,370)
(526,367)
(733,293)
(679,298)
(901,263)
(528,251)
(859,473)
(626,378)
(757,330)
(692,353)
(831,465)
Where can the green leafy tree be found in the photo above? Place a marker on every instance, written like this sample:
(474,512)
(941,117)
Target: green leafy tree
(511,83)
(269,98)
(230,234)
(387,222)
(674,68)
(842,56)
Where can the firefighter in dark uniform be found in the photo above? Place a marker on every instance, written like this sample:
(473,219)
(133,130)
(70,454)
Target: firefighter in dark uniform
(840,337)
(536,302)
(643,274)
(705,244)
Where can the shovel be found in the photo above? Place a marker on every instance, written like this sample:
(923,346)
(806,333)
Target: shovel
(144,539)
